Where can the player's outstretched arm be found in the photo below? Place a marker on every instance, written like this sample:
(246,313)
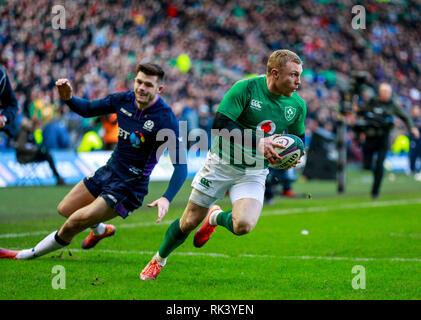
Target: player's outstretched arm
(163,205)
(176,182)
(64,89)
(83,107)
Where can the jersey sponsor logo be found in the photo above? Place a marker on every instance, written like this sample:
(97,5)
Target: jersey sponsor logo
(127,113)
(136,138)
(256,104)
(290,113)
(123,133)
(148,125)
(205,183)
(267,126)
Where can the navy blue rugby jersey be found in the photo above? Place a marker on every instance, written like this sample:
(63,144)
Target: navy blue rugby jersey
(141,132)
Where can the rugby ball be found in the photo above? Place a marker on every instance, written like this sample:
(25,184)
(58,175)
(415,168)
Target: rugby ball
(294,149)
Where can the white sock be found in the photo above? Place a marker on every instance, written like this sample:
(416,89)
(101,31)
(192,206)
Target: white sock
(99,229)
(46,245)
(213,216)
(161,261)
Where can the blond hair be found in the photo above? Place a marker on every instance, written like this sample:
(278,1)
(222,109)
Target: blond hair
(280,58)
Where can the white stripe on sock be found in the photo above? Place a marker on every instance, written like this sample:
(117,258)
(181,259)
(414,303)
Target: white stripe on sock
(213,216)
(161,261)
(99,229)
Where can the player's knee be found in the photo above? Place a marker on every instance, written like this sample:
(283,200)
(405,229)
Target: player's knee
(242,227)
(75,224)
(63,210)
(188,224)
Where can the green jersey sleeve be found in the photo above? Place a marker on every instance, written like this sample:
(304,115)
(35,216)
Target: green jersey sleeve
(235,100)
(298,127)
(397,110)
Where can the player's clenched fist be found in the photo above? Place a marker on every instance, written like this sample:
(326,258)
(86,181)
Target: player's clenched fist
(64,89)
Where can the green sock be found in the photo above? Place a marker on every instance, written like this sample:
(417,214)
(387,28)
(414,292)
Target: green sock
(225,219)
(174,238)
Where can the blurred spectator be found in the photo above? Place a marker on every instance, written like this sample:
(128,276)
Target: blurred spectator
(190,115)
(283,177)
(205,120)
(110,125)
(90,141)
(27,150)
(188,118)
(55,135)
(415,145)
(8,105)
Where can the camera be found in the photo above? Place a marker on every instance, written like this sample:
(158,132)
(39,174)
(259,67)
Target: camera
(359,79)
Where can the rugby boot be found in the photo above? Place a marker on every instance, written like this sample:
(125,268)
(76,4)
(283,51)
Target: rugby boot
(8,254)
(91,240)
(289,193)
(203,234)
(151,271)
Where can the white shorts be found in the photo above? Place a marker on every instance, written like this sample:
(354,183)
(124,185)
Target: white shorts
(216,176)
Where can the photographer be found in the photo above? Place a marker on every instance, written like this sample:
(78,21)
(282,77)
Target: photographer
(8,104)
(377,117)
(415,146)
(27,150)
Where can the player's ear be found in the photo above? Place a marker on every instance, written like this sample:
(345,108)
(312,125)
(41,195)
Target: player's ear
(160,88)
(275,73)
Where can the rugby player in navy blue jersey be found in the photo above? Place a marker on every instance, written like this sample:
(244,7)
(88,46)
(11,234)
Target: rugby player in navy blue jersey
(146,126)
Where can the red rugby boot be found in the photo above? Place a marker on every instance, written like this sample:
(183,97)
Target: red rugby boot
(151,271)
(92,240)
(8,254)
(203,234)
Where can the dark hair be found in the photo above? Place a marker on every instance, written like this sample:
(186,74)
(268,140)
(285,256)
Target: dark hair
(151,69)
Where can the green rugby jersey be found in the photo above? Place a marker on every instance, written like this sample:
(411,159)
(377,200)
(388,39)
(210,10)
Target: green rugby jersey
(252,106)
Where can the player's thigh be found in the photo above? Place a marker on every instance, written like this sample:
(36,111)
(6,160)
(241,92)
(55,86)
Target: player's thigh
(77,198)
(247,199)
(97,211)
(193,215)
(245,214)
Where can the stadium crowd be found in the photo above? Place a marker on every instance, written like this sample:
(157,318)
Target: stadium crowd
(205,47)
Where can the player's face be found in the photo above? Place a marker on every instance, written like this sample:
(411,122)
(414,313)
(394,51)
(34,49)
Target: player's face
(385,92)
(287,79)
(146,89)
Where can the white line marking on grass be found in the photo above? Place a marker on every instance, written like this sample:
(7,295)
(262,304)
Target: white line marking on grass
(122,226)
(220,255)
(376,204)
(215,255)
(23,234)
(403,235)
(332,258)
(142,224)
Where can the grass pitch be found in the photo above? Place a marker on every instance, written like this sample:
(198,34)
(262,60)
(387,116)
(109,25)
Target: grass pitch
(276,261)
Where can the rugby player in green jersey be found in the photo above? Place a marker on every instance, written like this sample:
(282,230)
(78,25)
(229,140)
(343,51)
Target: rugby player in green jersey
(258,110)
